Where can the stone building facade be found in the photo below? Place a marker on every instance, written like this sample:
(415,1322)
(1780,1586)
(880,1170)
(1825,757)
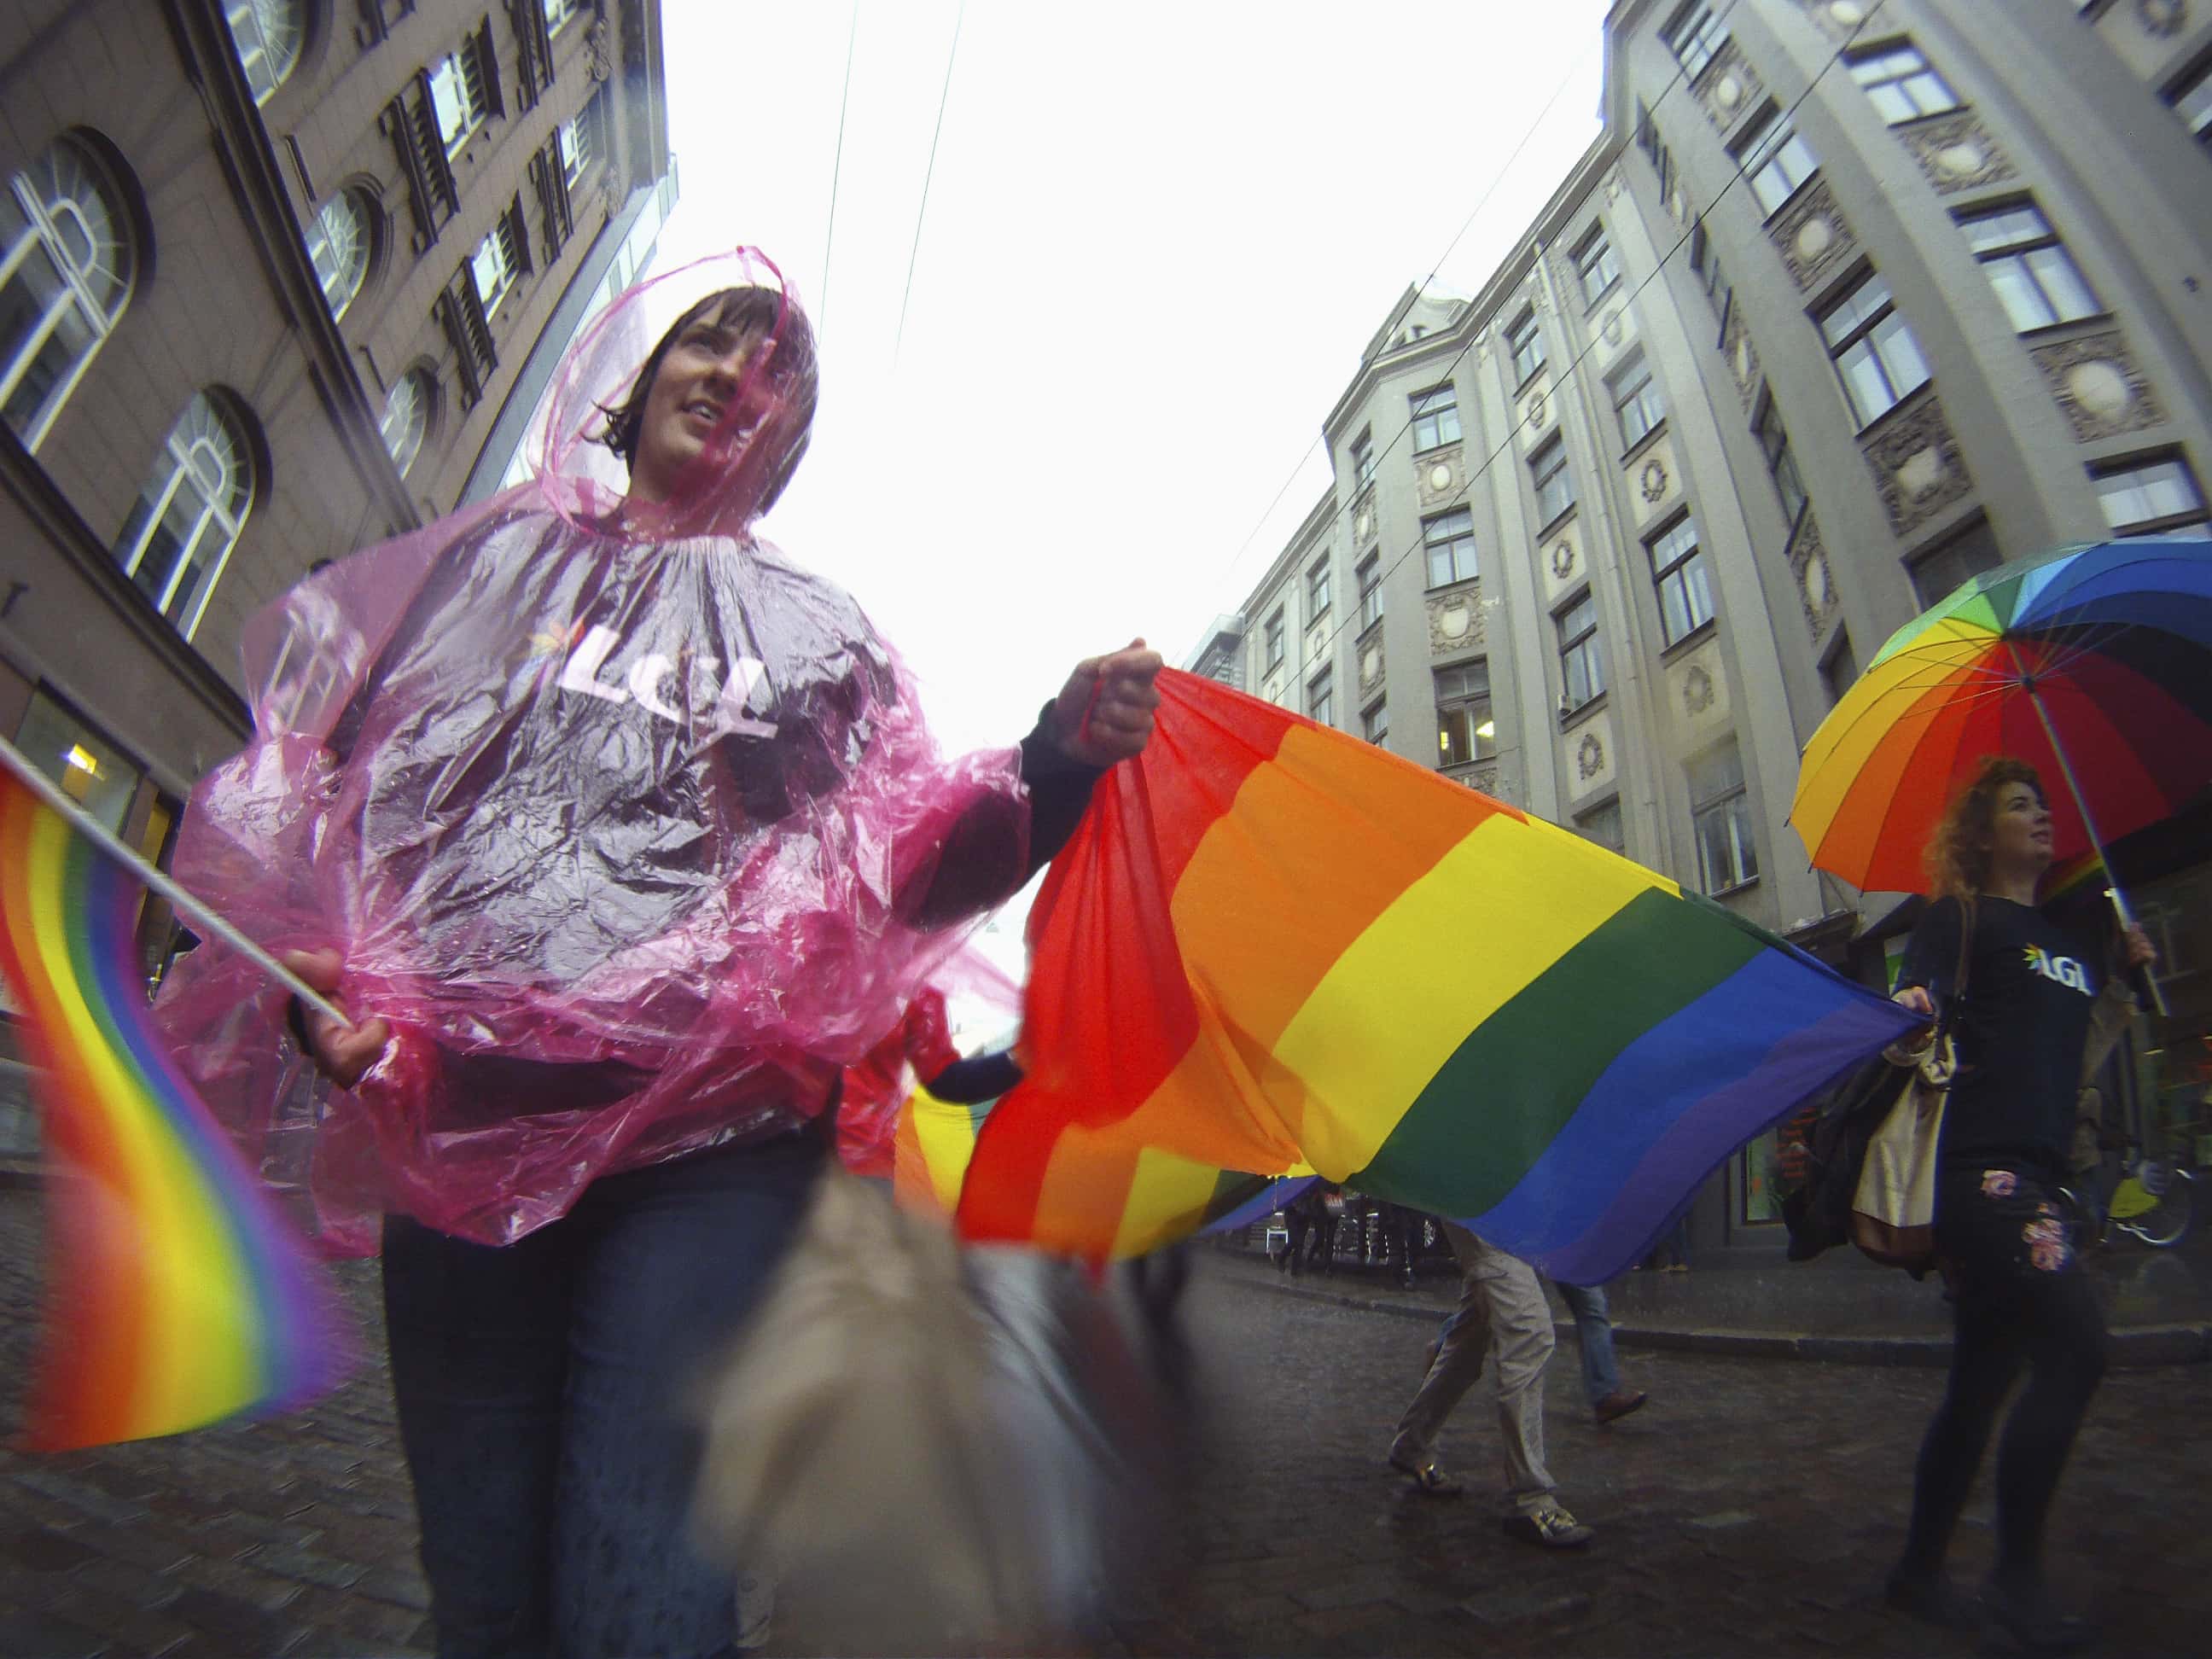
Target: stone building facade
(1848,302)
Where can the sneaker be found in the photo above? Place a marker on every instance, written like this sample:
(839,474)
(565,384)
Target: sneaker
(1551,1527)
(2030,1620)
(1929,1597)
(1428,1479)
(1617,1404)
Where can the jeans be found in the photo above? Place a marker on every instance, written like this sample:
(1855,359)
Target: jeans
(540,1388)
(1594,1336)
(1501,1294)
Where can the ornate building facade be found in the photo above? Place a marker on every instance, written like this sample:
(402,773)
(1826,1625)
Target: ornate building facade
(1850,300)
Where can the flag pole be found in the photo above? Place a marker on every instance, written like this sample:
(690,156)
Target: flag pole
(206,921)
(2081,805)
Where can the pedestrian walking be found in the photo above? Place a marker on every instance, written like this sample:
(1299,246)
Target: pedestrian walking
(603,767)
(1608,1402)
(2020,1295)
(1501,1307)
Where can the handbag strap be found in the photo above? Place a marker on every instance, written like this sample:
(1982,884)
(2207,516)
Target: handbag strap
(1949,1017)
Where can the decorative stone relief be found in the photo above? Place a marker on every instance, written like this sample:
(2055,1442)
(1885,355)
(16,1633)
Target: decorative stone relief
(1816,582)
(1652,479)
(1440,475)
(1588,755)
(1812,237)
(2163,18)
(1455,620)
(1613,186)
(1362,519)
(1742,357)
(1563,560)
(1317,641)
(1697,689)
(600,43)
(1729,87)
(2096,382)
(1536,410)
(1957,153)
(1917,465)
(1371,667)
(1483,780)
(1838,20)
(1272,689)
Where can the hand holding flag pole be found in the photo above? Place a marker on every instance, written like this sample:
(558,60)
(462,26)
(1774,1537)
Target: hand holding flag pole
(209,924)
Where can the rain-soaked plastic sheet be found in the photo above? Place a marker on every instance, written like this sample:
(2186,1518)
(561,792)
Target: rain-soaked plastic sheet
(628,821)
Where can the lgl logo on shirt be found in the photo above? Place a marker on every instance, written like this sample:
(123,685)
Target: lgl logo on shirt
(2063,970)
(650,672)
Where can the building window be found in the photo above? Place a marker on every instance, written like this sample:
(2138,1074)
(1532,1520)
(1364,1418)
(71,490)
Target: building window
(407,419)
(1899,80)
(2147,493)
(2030,268)
(66,266)
(1525,341)
(1781,464)
(1720,814)
(1678,572)
(1275,635)
(1839,668)
(91,771)
(1363,460)
(2191,98)
(1369,576)
(1436,417)
(475,355)
(579,139)
(462,88)
(1449,539)
(268,35)
(558,12)
(1695,36)
(1555,484)
(1375,722)
(188,517)
(1955,561)
(1581,664)
(1320,698)
(1601,826)
(1776,159)
(1318,589)
(499,261)
(1595,266)
(1635,402)
(1707,266)
(1466,730)
(1877,359)
(337,244)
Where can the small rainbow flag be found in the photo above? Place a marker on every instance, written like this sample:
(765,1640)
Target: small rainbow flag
(1274,950)
(177,1297)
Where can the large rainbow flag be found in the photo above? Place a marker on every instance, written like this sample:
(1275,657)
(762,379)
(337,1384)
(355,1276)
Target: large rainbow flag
(1272,950)
(176,1296)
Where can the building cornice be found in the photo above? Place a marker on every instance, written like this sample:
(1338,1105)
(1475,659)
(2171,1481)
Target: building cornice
(1312,528)
(210,63)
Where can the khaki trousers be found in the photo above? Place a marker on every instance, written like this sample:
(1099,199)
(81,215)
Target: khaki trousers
(1501,1303)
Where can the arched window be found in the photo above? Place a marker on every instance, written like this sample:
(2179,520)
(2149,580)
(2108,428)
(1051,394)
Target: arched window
(268,34)
(190,513)
(65,269)
(338,241)
(407,419)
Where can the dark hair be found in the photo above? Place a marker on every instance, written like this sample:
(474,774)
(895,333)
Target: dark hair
(1958,851)
(792,371)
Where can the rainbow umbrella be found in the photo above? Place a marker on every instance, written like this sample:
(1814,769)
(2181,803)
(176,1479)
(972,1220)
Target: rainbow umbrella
(2094,665)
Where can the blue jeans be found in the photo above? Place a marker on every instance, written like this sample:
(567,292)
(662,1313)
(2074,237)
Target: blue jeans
(539,1390)
(1592,1338)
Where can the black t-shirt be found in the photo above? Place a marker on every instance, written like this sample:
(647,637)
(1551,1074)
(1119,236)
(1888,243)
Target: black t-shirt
(2021,1031)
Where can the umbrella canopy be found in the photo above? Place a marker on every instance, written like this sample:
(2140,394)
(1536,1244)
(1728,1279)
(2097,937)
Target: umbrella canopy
(2094,665)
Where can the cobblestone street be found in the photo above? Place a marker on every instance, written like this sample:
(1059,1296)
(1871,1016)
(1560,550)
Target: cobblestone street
(1750,1509)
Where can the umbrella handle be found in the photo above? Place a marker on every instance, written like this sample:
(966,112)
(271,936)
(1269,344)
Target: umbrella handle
(2145,987)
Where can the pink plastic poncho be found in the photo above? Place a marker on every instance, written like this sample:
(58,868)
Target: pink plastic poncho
(627,822)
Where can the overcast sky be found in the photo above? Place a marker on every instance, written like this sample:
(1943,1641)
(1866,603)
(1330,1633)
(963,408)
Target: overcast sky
(1157,238)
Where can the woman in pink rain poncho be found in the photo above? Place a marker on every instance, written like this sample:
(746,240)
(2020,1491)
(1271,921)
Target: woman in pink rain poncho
(619,834)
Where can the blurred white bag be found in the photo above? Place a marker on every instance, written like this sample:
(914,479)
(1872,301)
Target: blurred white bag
(935,1448)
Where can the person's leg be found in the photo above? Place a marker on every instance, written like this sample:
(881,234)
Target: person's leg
(1454,1361)
(478,1338)
(1594,1341)
(1985,1357)
(1520,1327)
(674,1257)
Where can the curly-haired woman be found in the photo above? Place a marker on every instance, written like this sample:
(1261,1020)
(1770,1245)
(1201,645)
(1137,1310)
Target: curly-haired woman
(2021,1296)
